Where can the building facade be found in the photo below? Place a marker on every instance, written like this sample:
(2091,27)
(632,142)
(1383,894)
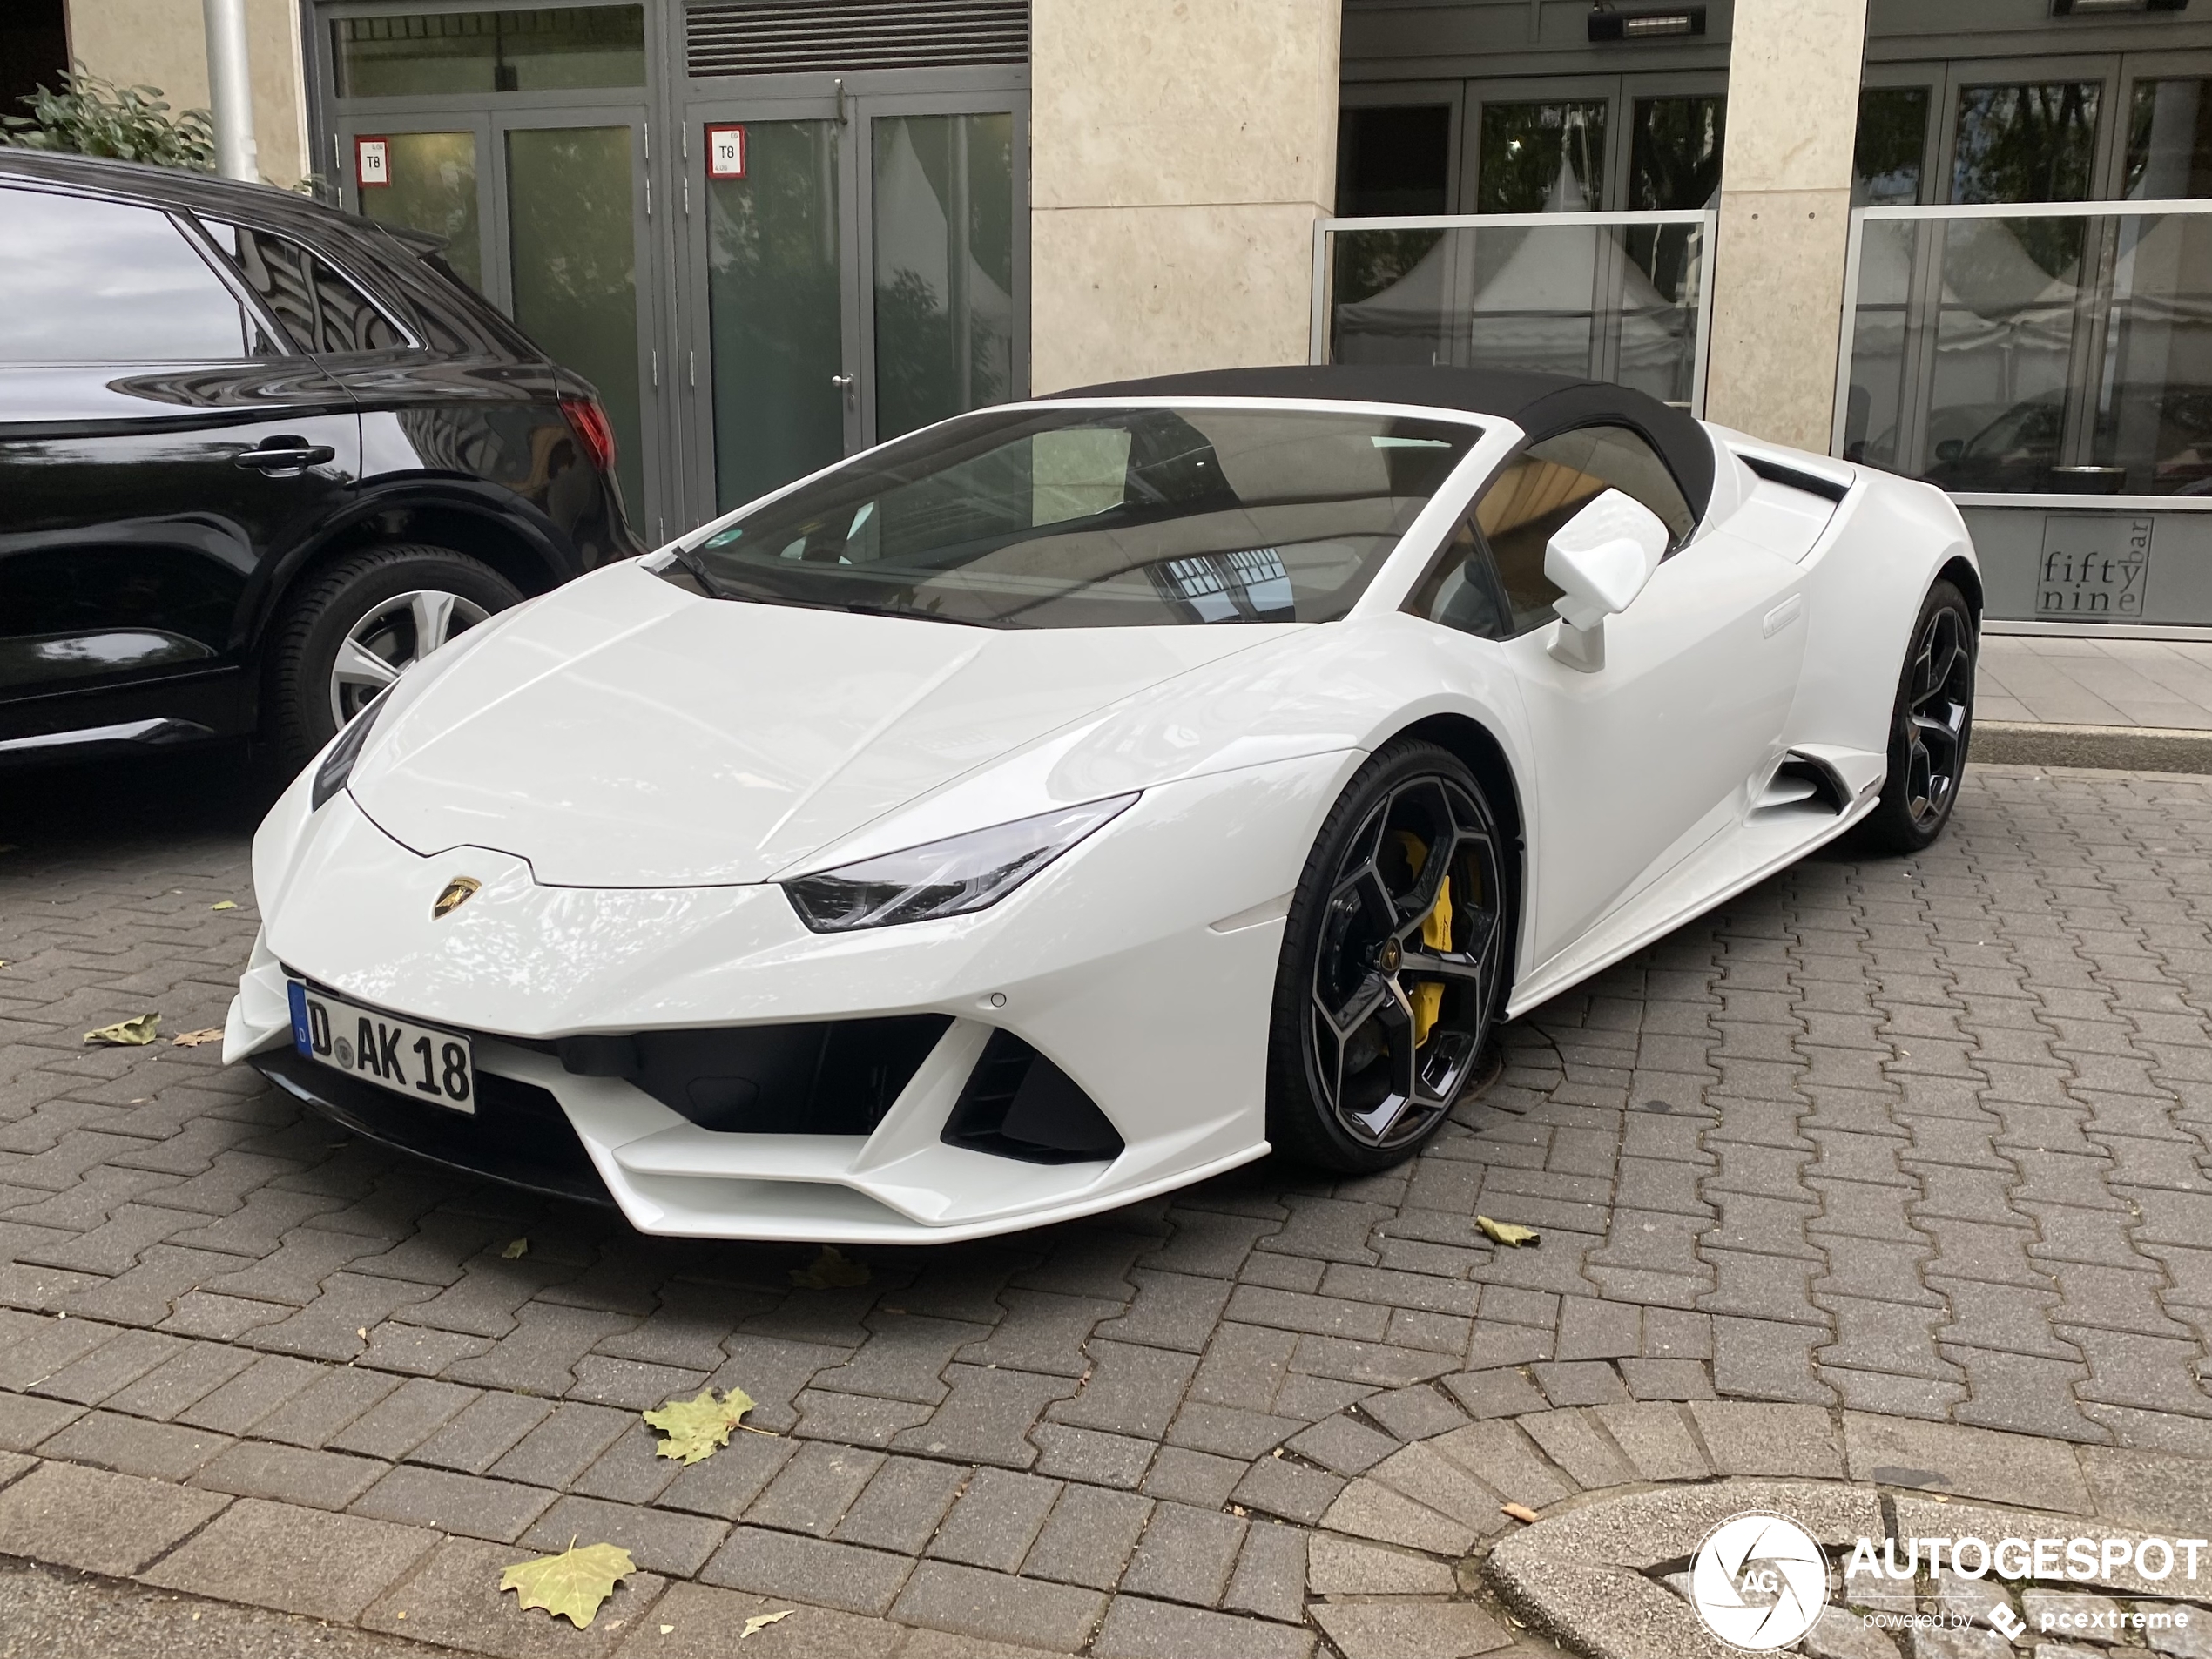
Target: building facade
(1960,238)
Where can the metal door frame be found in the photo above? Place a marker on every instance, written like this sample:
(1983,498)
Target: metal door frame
(855,101)
(650,516)
(692,312)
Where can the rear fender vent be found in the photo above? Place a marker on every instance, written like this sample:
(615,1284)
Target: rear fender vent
(829,1077)
(1800,778)
(839,37)
(1018,1104)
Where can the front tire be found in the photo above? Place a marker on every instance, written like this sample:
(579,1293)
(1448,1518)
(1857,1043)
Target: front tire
(1930,727)
(354,626)
(1392,968)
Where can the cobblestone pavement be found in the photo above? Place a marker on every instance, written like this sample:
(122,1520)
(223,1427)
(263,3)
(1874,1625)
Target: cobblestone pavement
(1926,1138)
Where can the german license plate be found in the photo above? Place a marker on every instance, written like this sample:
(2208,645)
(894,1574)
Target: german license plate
(435,1067)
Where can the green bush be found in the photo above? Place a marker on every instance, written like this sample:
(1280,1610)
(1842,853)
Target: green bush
(90,117)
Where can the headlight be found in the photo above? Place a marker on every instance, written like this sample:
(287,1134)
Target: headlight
(338,765)
(947,878)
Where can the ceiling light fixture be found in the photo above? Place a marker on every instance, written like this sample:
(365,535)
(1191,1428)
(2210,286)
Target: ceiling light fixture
(1609,23)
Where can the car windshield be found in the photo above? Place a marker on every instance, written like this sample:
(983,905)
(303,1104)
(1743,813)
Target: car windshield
(1096,517)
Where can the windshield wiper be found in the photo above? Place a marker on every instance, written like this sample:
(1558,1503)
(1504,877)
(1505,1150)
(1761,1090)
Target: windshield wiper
(683,556)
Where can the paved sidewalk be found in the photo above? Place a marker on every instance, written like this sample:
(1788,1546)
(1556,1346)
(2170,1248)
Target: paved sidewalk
(2143,704)
(2096,682)
(1924,1139)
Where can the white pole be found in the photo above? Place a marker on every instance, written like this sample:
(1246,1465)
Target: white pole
(230,90)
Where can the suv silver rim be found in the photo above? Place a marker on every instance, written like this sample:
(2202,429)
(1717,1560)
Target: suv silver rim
(395,635)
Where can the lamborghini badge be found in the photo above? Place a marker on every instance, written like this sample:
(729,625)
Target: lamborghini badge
(457,894)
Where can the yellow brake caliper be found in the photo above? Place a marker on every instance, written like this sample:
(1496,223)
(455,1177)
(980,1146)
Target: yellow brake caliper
(1426,996)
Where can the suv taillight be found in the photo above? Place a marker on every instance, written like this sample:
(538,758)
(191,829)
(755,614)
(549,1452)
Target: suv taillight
(589,422)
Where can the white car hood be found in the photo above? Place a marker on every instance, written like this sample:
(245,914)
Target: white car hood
(622,732)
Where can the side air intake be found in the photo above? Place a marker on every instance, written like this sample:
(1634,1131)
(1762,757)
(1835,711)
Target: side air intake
(1018,1104)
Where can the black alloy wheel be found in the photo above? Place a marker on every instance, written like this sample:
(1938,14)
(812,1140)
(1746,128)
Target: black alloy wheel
(1931,726)
(1393,960)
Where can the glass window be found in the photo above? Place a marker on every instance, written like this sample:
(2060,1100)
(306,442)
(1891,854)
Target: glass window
(944,266)
(1490,579)
(1893,141)
(2025,142)
(2170,140)
(1088,518)
(89,281)
(1542,158)
(1394,159)
(1675,151)
(320,309)
(547,49)
(433,189)
(571,195)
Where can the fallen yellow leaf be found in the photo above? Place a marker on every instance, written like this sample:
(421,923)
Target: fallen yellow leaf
(572,1585)
(195,1039)
(829,1270)
(1506,1232)
(222,904)
(696,1429)
(761,1622)
(134,1032)
(515,1247)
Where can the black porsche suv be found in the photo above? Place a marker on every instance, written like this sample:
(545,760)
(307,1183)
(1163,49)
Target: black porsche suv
(257,456)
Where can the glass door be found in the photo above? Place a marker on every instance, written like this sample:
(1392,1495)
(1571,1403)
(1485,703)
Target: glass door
(545,213)
(572,219)
(432,181)
(858,268)
(772,366)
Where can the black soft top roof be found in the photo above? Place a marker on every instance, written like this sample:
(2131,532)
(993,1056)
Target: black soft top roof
(1541,405)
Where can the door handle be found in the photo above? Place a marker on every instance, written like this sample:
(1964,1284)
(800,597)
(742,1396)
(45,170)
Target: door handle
(843,383)
(286,455)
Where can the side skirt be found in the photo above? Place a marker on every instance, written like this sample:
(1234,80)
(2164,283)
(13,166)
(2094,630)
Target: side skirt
(1712,877)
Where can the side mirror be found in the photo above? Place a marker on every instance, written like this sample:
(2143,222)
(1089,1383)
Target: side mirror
(1599,560)
(1951,449)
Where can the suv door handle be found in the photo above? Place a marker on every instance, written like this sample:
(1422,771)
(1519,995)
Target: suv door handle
(286,455)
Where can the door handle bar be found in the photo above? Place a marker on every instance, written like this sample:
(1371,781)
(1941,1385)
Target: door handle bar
(289,458)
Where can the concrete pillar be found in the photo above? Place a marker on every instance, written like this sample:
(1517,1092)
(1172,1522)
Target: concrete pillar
(1793,76)
(164,43)
(1180,152)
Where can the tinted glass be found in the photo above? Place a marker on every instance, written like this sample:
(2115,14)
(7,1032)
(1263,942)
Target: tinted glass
(1493,583)
(2170,140)
(1085,518)
(571,195)
(1394,160)
(1542,158)
(944,266)
(2033,143)
(1892,140)
(776,310)
(1675,151)
(320,309)
(433,188)
(544,50)
(104,282)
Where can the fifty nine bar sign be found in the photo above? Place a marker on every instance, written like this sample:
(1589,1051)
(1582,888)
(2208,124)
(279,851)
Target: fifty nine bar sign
(2095,567)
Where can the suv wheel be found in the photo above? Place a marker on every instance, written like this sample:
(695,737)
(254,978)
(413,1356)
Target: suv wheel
(351,629)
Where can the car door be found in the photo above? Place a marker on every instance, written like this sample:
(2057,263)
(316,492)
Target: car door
(161,441)
(1642,760)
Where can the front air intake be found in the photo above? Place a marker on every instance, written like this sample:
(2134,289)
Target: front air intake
(1018,1104)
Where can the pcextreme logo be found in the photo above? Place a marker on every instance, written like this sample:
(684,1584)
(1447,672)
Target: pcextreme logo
(1759,1581)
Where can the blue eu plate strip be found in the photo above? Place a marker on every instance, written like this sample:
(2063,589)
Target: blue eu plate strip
(302,1039)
